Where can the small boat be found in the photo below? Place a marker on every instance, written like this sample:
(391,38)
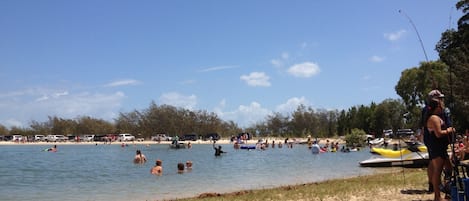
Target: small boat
(376,141)
(414,159)
(389,153)
(414,155)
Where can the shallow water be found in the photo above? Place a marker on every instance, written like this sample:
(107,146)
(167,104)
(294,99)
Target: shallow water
(106,172)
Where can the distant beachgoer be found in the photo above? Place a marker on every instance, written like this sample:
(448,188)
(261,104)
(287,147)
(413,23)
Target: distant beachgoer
(218,150)
(157,169)
(181,168)
(188,165)
(315,148)
(52,149)
(139,157)
(236,145)
(279,144)
(189,145)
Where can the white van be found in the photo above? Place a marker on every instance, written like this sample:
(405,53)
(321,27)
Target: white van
(16,138)
(126,137)
(88,138)
(56,138)
(39,138)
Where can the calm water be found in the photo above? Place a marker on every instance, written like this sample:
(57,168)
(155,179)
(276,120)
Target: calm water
(106,172)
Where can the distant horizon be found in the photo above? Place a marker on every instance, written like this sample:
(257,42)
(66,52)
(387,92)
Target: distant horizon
(240,60)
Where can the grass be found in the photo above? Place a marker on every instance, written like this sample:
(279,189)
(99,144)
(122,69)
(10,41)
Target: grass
(399,184)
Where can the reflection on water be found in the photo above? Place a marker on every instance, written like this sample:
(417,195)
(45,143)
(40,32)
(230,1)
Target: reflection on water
(106,172)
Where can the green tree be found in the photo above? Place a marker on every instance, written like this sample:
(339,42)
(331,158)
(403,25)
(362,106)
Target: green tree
(453,49)
(415,83)
(3,130)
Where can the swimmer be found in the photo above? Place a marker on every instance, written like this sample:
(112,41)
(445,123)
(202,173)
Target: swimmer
(139,157)
(181,168)
(157,169)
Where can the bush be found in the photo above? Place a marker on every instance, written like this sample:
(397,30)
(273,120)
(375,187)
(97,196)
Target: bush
(356,138)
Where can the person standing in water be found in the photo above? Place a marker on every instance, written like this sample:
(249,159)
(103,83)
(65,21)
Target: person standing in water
(157,169)
(139,157)
(218,150)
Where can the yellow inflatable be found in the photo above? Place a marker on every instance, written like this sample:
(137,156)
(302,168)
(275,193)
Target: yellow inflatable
(389,153)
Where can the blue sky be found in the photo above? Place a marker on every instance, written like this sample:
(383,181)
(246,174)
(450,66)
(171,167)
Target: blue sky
(241,59)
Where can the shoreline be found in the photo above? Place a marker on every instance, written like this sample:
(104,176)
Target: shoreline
(149,142)
(401,184)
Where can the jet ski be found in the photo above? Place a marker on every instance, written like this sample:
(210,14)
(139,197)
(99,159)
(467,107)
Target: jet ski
(390,153)
(414,155)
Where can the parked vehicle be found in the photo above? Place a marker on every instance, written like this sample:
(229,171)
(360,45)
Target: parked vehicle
(39,138)
(88,138)
(189,137)
(161,137)
(56,138)
(404,132)
(211,136)
(126,137)
(16,138)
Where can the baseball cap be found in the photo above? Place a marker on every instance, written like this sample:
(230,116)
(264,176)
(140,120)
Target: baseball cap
(435,94)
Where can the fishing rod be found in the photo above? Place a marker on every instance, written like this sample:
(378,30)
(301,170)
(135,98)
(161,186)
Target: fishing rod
(418,35)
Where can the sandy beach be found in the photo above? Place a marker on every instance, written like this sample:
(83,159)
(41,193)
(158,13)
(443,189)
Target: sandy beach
(149,142)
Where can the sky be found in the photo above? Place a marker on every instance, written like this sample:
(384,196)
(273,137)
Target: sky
(242,60)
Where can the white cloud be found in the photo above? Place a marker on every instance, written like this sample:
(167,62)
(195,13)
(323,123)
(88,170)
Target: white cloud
(276,63)
(27,106)
(395,35)
(292,104)
(179,100)
(256,79)
(123,83)
(245,115)
(376,59)
(217,68)
(306,69)
(285,55)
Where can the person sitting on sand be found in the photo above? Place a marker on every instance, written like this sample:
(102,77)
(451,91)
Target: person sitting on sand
(157,169)
(139,157)
(181,168)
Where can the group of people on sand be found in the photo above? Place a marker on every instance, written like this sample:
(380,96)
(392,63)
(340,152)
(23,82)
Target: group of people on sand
(140,158)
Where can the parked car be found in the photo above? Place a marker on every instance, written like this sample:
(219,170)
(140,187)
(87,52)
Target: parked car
(404,132)
(56,138)
(39,138)
(16,138)
(188,137)
(211,136)
(126,137)
(88,138)
(161,137)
